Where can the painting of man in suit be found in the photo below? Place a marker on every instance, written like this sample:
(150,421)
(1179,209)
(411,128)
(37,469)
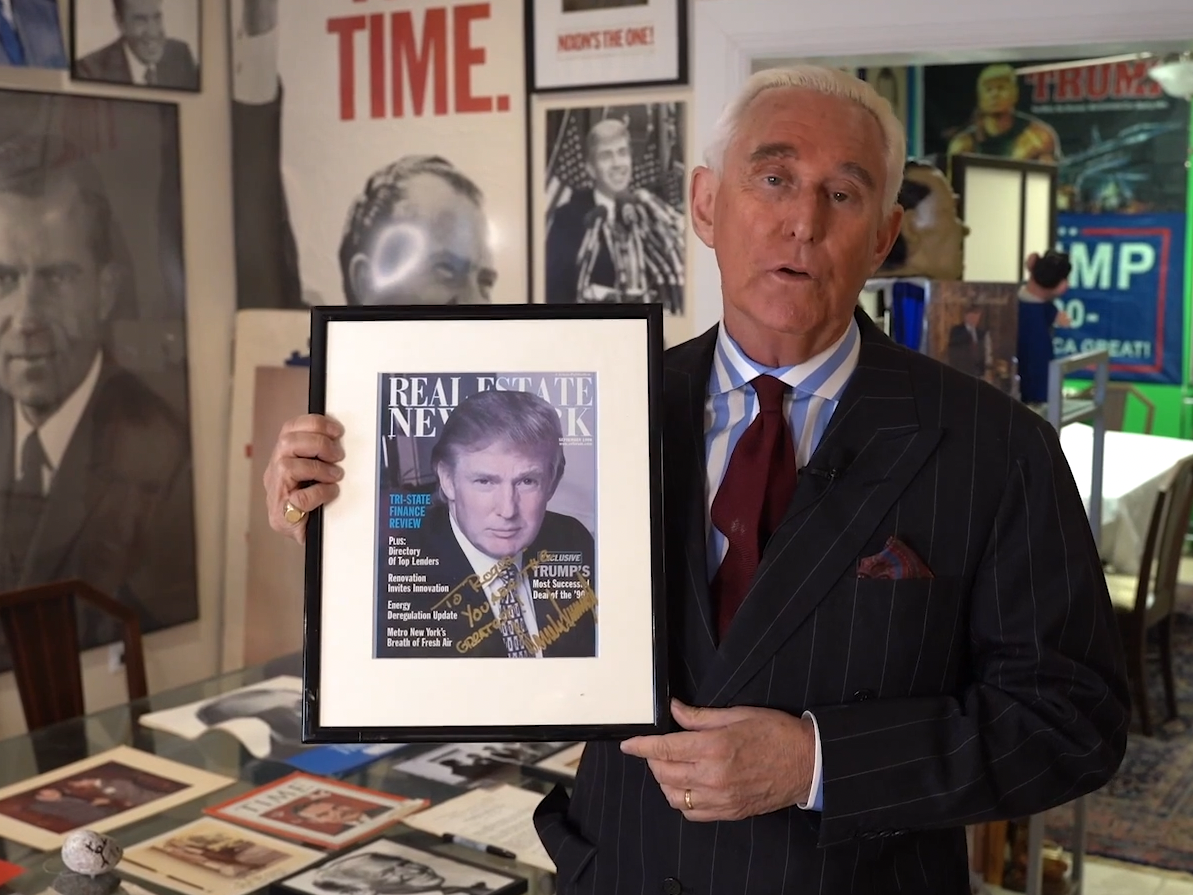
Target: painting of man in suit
(615,206)
(973,327)
(95,463)
(143,52)
(508,575)
(31,34)
(969,345)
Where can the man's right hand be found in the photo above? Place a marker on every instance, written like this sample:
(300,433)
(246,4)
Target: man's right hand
(308,450)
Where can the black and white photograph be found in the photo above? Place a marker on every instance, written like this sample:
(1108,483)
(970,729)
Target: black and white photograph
(614,205)
(467,764)
(344,194)
(597,44)
(95,445)
(385,867)
(145,43)
(31,34)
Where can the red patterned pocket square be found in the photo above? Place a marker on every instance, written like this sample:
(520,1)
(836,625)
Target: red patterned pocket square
(896,560)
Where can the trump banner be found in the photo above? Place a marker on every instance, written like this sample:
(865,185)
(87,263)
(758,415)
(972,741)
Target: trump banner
(1125,292)
(372,152)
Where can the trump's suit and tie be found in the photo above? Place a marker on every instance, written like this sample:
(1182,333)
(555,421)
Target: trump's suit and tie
(990,686)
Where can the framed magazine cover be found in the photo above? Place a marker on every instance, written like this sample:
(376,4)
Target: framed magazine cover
(594,44)
(500,500)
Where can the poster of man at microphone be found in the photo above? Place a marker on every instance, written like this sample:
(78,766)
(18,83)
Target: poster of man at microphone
(614,205)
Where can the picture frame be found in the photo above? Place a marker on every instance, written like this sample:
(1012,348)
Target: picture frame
(108,790)
(541,499)
(592,153)
(215,857)
(593,44)
(317,811)
(157,49)
(422,870)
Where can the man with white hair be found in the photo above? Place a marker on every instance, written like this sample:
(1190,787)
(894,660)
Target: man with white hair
(887,616)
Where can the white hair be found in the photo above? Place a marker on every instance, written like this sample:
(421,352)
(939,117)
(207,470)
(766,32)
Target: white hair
(827,81)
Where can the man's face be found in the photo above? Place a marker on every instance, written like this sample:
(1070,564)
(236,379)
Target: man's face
(797,217)
(54,298)
(997,95)
(612,165)
(973,318)
(498,496)
(143,29)
(330,813)
(435,251)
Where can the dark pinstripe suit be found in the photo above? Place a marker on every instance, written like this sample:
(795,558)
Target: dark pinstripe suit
(993,690)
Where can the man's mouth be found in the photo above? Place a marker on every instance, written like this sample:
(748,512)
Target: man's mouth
(793,273)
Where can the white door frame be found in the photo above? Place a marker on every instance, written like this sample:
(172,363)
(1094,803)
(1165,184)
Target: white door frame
(729,34)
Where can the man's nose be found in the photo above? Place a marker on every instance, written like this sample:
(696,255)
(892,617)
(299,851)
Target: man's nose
(805,216)
(23,310)
(507,502)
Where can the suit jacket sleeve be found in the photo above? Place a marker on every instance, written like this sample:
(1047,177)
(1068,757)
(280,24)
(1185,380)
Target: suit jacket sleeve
(1045,717)
(563,243)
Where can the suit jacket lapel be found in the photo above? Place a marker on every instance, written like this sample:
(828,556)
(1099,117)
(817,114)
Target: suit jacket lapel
(876,435)
(686,386)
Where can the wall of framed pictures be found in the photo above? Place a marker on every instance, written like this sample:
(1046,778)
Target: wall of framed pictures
(130,118)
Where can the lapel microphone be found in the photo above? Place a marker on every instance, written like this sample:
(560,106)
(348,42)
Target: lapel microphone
(835,464)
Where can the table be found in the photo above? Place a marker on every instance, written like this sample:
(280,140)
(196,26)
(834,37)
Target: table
(1135,468)
(52,747)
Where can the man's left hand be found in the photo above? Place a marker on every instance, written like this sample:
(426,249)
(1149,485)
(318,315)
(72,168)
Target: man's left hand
(736,762)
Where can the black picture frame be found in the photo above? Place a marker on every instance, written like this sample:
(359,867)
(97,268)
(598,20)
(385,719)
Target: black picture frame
(107,64)
(431,861)
(538,15)
(601,679)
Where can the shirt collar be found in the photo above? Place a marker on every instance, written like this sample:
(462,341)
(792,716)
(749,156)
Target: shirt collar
(823,375)
(482,564)
(136,67)
(55,433)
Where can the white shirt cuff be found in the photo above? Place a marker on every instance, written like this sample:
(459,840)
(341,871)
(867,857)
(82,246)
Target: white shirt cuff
(254,67)
(814,802)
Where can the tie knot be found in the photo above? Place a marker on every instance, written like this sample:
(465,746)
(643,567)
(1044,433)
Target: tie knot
(770,393)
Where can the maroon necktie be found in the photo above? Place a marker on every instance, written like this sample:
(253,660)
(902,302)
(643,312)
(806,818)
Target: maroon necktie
(753,497)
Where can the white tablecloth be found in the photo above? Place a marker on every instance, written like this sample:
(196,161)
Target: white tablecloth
(1134,468)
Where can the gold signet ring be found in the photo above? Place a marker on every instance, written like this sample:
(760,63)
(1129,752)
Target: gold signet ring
(687,798)
(293,513)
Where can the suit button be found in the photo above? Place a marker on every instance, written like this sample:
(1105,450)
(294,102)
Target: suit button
(863,695)
(672,886)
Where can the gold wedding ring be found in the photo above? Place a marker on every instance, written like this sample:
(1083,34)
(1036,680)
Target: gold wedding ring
(293,513)
(687,798)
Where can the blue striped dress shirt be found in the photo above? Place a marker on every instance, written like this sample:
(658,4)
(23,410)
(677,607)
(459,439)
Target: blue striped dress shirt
(816,387)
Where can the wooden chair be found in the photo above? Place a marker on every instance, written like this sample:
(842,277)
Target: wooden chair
(1148,600)
(41,628)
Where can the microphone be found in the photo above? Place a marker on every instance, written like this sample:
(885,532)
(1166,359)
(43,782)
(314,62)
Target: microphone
(835,464)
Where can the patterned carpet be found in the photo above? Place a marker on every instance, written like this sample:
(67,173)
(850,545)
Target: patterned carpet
(1145,814)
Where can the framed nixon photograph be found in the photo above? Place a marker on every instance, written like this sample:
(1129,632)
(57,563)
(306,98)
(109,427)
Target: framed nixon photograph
(609,212)
(144,43)
(500,501)
(591,44)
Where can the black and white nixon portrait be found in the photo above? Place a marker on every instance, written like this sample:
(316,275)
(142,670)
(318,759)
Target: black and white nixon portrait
(386,867)
(615,205)
(95,452)
(152,43)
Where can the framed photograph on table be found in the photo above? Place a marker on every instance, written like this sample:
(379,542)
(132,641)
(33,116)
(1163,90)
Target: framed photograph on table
(591,44)
(500,501)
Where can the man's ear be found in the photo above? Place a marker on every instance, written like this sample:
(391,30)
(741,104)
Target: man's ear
(361,277)
(888,232)
(703,201)
(110,277)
